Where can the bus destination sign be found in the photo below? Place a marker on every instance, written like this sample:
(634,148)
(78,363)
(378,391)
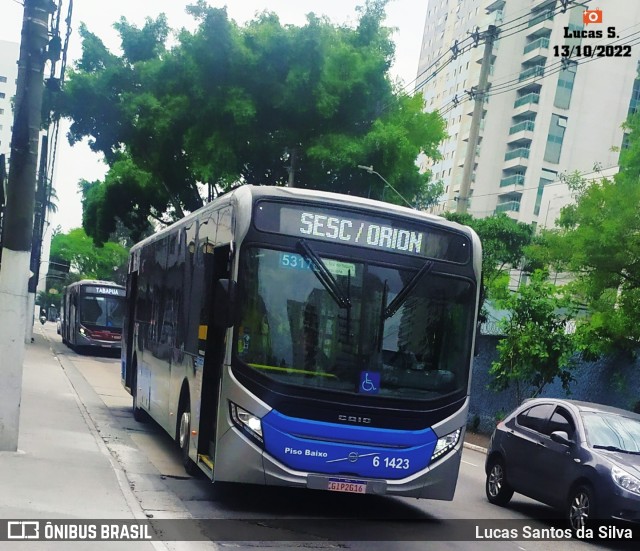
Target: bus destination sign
(113,291)
(374,232)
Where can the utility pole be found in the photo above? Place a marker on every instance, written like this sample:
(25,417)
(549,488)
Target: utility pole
(292,168)
(18,216)
(474,131)
(40,215)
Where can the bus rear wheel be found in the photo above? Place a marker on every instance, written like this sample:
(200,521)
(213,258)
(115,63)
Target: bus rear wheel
(138,413)
(184,439)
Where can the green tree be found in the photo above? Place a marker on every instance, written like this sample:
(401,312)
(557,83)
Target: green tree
(537,348)
(86,259)
(504,243)
(598,243)
(263,103)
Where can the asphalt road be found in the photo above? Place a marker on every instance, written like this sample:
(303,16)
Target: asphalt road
(280,518)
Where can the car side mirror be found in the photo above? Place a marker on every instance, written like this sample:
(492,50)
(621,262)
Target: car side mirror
(224,302)
(561,437)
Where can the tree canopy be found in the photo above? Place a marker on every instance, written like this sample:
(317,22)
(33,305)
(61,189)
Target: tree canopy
(504,242)
(598,242)
(536,348)
(263,103)
(87,260)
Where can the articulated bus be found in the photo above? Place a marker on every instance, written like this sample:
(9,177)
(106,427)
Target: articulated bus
(308,339)
(92,314)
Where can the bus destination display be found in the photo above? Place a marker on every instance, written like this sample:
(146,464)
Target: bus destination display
(373,232)
(113,291)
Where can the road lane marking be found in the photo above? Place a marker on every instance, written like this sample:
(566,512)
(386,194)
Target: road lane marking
(467,462)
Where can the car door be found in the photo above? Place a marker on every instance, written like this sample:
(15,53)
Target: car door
(557,462)
(525,445)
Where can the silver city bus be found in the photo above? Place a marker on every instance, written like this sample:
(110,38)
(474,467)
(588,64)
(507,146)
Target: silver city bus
(300,338)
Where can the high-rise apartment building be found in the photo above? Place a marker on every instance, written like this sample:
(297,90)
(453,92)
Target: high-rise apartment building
(9,53)
(545,113)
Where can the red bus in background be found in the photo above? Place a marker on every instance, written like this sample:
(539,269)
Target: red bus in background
(92,313)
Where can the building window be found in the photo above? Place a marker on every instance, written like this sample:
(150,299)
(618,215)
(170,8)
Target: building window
(565,86)
(554,139)
(635,96)
(3,79)
(546,177)
(2,95)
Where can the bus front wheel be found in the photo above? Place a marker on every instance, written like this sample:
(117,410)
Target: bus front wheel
(184,439)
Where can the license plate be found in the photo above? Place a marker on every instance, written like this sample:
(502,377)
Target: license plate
(345,485)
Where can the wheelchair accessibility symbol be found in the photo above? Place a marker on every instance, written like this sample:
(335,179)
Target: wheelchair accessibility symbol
(369,382)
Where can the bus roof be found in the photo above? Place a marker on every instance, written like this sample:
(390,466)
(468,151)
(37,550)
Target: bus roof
(100,282)
(246,193)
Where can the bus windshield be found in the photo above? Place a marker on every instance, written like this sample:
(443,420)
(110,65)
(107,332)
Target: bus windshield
(101,311)
(365,328)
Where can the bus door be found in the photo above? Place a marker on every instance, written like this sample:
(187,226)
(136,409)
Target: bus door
(217,266)
(127,330)
(73,315)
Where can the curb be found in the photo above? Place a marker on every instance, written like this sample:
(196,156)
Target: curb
(123,482)
(475,448)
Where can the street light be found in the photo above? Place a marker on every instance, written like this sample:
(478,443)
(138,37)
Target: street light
(370,170)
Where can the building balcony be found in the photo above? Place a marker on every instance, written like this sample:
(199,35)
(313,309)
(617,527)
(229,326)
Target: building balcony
(513,180)
(508,206)
(540,24)
(516,158)
(521,133)
(465,130)
(531,73)
(497,5)
(536,51)
(526,104)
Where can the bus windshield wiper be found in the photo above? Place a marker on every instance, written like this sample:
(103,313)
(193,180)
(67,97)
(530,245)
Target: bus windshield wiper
(395,304)
(324,275)
(614,449)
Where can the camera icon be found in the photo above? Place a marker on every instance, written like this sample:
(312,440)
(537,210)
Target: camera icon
(592,16)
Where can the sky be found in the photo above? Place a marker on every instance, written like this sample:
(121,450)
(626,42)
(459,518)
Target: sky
(78,162)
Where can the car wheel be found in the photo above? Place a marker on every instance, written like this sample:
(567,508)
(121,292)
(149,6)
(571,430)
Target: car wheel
(582,508)
(497,488)
(184,440)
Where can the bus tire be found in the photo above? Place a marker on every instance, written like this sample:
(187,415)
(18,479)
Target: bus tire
(184,437)
(138,413)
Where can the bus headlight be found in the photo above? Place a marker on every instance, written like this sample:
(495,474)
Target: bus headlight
(247,422)
(445,444)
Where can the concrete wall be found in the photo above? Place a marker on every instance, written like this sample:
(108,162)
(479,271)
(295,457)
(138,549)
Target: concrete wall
(612,381)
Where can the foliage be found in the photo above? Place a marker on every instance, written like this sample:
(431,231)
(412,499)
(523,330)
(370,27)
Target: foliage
(106,262)
(256,104)
(503,247)
(537,348)
(598,241)
(51,297)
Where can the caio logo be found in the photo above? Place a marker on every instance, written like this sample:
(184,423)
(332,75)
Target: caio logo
(592,16)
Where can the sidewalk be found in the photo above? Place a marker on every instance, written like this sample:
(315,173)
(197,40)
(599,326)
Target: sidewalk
(62,469)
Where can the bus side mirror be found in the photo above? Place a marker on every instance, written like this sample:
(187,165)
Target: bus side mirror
(224,303)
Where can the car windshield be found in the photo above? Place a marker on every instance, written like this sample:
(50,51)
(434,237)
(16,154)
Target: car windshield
(362,328)
(102,311)
(607,430)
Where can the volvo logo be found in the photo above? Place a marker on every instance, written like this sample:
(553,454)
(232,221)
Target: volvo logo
(354,419)
(353,457)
